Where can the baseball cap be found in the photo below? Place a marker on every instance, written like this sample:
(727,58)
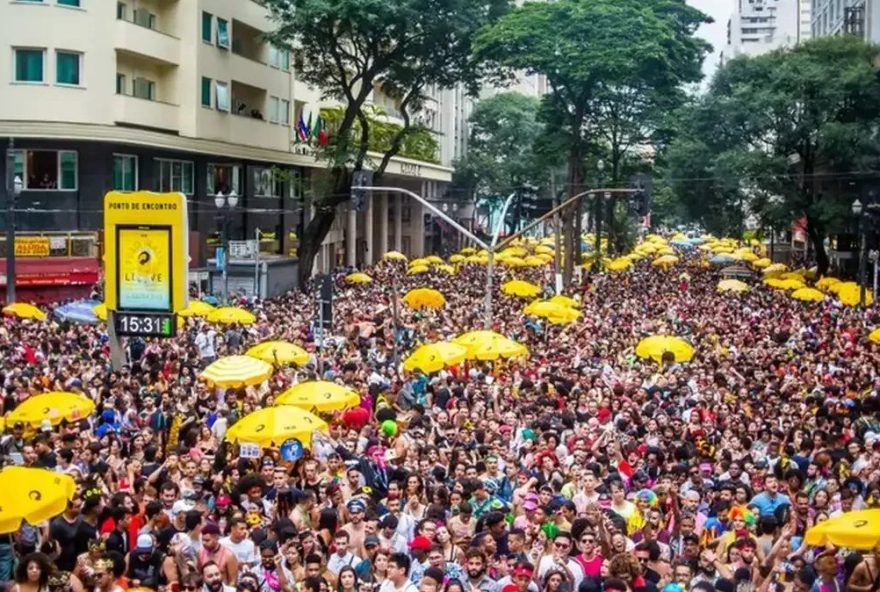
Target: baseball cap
(371,540)
(421,543)
(144,544)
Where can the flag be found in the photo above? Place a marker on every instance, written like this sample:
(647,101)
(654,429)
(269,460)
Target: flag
(302,134)
(308,130)
(319,133)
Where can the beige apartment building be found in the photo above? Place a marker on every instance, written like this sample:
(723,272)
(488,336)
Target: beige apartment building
(183,95)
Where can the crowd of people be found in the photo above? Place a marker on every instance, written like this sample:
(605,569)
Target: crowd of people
(581,468)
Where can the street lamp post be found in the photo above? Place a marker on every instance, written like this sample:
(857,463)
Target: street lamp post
(13,186)
(598,208)
(225,204)
(858,211)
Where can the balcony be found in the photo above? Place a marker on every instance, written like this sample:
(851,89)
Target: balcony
(129,110)
(247,42)
(147,43)
(243,130)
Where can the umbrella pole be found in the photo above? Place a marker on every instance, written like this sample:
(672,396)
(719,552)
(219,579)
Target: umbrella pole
(396,322)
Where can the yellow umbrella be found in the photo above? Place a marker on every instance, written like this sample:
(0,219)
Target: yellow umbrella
(56,406)
(358,278)
(874,336)
(656,346)
(513,252)
(555,313)
(825,283)
(544,250)
(32,496)
(488,345)
(420,262)
(619,264)
(520,289)
(468,251)
(793,275)
(196,308)
(420,298)
(229,315)
(665,261)
(100,311)
(394,256)
(435,260)
(534,261)
(433,357)
(236,371)
(272,426)
(320,396)
(776,268)
(279,353)
(858,530)
(566,301)
(732,286)
(762,263)
(513,262)
(808,295)
(781,284)
(24,310)
(457,258)
(445,268)
(850,295)
(417,269)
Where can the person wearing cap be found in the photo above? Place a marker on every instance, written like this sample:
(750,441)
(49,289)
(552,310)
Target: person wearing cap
(355,525)
(144,563)
(371,549)
(418,550)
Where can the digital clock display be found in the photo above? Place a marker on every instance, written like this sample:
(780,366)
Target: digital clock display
(145,324)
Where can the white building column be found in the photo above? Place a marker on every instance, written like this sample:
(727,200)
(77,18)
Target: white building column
(370,254)
(398,222)
(417,224)
(383,224)
(351,238)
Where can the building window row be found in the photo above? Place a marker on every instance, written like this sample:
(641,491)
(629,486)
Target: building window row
(31,66)
(215,30)
(73,3)
(139,16)
(46,170)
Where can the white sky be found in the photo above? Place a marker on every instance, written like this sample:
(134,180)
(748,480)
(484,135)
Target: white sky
(716,33)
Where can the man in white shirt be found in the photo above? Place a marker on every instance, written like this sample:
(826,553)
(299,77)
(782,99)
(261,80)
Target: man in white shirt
(342,557)
(241,546)
(205,342)
(398,575)
(560,559)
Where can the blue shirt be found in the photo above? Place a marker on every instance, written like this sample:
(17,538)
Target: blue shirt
(767,504)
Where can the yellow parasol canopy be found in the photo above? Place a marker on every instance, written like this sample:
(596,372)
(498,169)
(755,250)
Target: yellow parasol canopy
(468,251)
(854,530)
(394,256)
(230,315)
(32,496)
(732,286)
(56,406)
(279,353)
(272,426)
(320,396)
(808,295)
(553,312)
(762,263)
(433,357)
(825,283)
(445,268)
(520,289)
(776,268)
(781,284)
(566,301)
(358,278)
(435,260)
(196,308)
(665,261)
(488,345)
(457,258)
(655,346)
(850,294)
(236,371)
(874,336)
(419,298)
(417,269)
(100,311)
(24,310)
(544,250)
(420,262)
(619,264)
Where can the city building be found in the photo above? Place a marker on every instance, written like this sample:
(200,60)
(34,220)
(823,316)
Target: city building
(182,95)
(852,17)
(759,26)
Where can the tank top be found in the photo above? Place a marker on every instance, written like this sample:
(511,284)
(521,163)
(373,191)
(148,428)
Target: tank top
(220,557)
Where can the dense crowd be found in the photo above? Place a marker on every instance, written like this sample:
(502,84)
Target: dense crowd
(581,468)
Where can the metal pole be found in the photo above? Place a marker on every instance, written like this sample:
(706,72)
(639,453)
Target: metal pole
(257,264)
(598,258)
(395,308)
(863,261)
(226,258)
(10,223)
(319,333)
(875,281)
(490,266)
(557,268)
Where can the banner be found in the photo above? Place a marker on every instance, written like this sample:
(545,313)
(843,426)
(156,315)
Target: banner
(144,261)
(32,246)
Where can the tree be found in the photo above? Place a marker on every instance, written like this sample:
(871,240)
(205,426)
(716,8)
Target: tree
(349,48)
(584,46)
(772,129)
(502,156)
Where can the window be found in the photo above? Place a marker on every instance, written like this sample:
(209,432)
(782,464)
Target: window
(223,178)
(47,170)
(222,99)
(206,92)
(29,65)
(175,175)
(284,112)
(279,58)
(273,109)
(122,11)
(222,33)
(143,88)
(125,168)
(68,2)
(120,84)
(267,183)
(144,18)
(207,27)
(67,67)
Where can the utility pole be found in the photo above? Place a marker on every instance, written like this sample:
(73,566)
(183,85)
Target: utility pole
(13,187)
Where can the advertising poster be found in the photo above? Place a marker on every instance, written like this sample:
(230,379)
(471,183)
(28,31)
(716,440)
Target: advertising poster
(144,260)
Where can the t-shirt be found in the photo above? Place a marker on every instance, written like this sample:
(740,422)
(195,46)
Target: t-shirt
(65,533)
(388,586)
(245,551)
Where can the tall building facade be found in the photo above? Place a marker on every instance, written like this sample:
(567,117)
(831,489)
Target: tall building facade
(759,26)
(851,17)
(182,95)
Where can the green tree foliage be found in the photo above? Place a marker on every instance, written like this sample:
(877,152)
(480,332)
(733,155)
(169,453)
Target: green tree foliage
(348,48)
(771,129)
(419,144)
(585,48)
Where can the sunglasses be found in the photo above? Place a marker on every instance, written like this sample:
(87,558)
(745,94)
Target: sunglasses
(561,545)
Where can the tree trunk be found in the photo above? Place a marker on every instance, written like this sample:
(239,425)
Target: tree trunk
(310,243)
(573,214)
(817,240)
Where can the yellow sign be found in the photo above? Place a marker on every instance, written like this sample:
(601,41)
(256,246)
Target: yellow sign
(32,246)
(146,254)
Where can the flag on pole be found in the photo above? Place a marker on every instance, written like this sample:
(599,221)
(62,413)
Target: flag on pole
(302,134)
(309,129)
(319,133)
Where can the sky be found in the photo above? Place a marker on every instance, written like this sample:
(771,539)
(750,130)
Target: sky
(716,33)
